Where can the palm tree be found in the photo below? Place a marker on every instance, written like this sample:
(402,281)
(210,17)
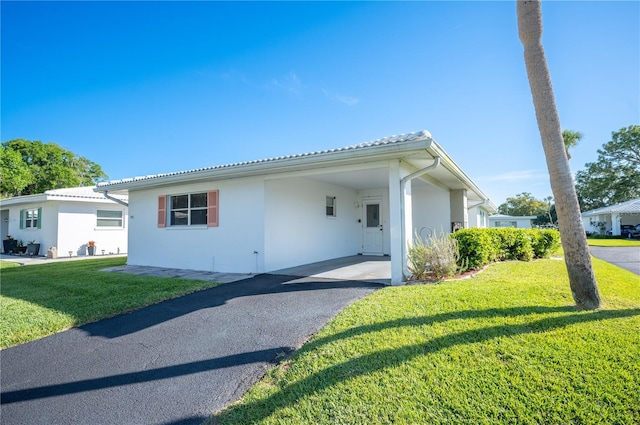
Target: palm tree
(549,199)
(570,139)
(574,242)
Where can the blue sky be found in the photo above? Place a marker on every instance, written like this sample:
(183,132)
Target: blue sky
(152,87)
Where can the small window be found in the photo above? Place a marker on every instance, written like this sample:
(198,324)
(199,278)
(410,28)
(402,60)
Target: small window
(31,218)
(188,210)
(108,218)
(331,206)
(506,224)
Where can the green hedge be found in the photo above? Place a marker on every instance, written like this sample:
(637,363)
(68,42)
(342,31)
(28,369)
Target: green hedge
(483,246)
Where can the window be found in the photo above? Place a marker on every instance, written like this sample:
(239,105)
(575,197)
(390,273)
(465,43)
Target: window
(506,224)
(188,210)
(331,206)
(30,218)
(194,209)
(107,218)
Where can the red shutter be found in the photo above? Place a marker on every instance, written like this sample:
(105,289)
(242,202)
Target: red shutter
(162,211)
(212,208)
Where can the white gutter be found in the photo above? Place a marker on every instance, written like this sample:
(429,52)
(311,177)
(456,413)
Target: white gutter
(484,202)
(436,151)
(119,201)
(403,225)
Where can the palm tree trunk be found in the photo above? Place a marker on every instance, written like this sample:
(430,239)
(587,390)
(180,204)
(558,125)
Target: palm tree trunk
(574,242)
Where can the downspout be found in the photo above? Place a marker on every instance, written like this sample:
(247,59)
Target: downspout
(119,201)
(403,183)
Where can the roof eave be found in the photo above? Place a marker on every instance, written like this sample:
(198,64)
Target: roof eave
(279,165)
(436,150)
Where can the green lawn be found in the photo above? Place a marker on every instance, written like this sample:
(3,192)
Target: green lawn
(507,346)
(613,242)
(8,264)
(39,300)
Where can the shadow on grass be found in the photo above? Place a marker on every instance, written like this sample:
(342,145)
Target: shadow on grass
(290,394)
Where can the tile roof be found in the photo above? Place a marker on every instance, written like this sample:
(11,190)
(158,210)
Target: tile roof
(628,207)
(77,192)
(396,139)
(69,193)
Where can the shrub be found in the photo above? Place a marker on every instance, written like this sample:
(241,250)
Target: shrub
(546,242)
(417,258)
(476,247)
(438,255)
(483,246)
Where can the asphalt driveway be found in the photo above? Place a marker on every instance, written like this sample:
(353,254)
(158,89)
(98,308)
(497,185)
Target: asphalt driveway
(627,257)
(171,363)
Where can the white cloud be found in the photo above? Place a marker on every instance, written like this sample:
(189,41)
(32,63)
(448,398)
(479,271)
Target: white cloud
(289,83)
(347,100)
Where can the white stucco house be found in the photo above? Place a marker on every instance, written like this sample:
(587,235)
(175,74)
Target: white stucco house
(67,219)
(519,222)
(270,214)
(610,219)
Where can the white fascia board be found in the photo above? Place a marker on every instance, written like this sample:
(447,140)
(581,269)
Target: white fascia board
(278,165)
(454,169)
(44,197)
(26,199)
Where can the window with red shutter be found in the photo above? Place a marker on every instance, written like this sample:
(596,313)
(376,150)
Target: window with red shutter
(212,208)
(162,211)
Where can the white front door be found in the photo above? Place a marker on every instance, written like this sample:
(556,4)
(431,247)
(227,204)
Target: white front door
(372,230)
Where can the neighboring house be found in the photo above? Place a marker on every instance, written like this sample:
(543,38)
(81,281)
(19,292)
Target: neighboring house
(519,222)
(479,213)
(609,220)
(67,219)
(266,215)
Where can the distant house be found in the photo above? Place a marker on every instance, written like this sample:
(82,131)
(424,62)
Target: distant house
(611,219)
(67,219)
(479,213)
(266,215)
(519,222)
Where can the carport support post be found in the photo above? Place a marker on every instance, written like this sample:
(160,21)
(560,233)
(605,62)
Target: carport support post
(395,238)
(399,235)
(615,224)
(458,204)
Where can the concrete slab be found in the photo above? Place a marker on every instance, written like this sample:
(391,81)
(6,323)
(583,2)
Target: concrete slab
(363,268)
(179,273)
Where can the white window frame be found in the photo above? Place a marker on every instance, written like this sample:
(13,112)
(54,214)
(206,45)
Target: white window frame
(331,207)
(109,219)
(188,210)
(31,218)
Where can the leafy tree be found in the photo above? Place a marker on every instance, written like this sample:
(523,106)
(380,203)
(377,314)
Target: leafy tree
(14,175)
(582,279)
(571,140)
(523,204)
(30,167)
(615,177)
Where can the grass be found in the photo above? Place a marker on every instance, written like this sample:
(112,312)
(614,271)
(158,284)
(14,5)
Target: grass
(613,242)
(40,300)
(507,346)
(8,264)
